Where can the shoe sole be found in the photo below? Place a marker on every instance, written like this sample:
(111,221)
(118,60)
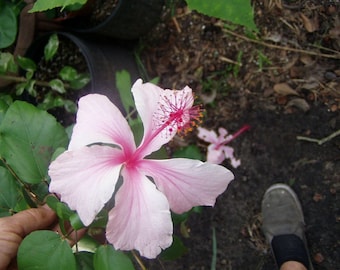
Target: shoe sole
(298,205)
(290,191)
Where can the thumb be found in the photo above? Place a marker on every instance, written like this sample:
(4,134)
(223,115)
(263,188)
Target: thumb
(32,219)
(14,228)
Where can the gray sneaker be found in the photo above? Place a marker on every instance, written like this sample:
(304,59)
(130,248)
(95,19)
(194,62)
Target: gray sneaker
(283,225)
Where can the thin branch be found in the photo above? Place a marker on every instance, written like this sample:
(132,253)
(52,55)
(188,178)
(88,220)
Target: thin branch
(22,79)
(319,141)
(335,56)
(17,79)
(178,28)
(139,261)
(228,60)
(24,185)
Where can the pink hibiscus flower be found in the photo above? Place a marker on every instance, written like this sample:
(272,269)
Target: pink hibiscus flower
(102,159)
(217,149)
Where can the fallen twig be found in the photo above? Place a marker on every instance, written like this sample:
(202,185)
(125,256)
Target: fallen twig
(228,60)
(335,56)
(178,28)
(319,141)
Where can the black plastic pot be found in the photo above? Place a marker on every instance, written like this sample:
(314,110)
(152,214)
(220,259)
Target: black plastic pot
(129,20)
(103,59)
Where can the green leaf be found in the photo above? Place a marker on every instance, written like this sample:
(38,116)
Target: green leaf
(20,88)
(68,73)
(180,218)
(30,88)
(29,74)
(58,152)
(45,250)
(28,138)
(123,84)
(262,60)
(176,250)
(8,26)
(70,106)
(3,108)
(137,129)
(161,153)
(75,222)
(69,131)
(7,63)
(80,81)
(10,191)
(84,260)
(236,68)
(22,203)
(155,80)
(106,258)
(6,98)
(190,151)
(42,5)
(60,208)
(40,191)
(88,243)
(50,101)
(26,63)
(101,219)
(236,11)
(51,47)
(57,85)
(64,212)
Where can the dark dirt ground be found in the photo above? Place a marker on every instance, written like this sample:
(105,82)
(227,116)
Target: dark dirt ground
(286,87)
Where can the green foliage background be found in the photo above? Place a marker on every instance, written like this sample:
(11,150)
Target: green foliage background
(235,11)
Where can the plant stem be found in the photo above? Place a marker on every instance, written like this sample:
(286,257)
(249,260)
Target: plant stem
(18,79)
(25,186)
(139,261)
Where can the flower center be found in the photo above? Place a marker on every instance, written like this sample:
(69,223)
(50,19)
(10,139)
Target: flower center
(176,112)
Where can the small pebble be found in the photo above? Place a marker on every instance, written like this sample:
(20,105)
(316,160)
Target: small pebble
(318,197)
(319,258)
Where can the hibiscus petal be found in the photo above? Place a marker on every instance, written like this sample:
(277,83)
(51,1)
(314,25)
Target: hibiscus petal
(187,183)
(99,120)
(215,156)
(85,179)
(223,133)
(141,218)
(146,96)
(229,153)
(235,162)
(209,136)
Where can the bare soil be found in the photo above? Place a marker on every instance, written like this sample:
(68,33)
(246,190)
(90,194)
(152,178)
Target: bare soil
(284,83)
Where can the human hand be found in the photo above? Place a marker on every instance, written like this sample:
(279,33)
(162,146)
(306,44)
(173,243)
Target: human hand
(13,229)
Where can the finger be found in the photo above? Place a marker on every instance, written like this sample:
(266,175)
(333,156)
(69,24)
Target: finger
(13,229)
(32,219)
